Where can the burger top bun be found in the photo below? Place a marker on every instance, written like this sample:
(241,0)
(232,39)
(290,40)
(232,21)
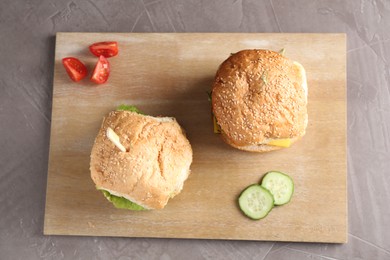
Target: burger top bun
(259,96)
(154,165)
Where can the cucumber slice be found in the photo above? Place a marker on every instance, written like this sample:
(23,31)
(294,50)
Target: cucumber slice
(256,201)
(280,185)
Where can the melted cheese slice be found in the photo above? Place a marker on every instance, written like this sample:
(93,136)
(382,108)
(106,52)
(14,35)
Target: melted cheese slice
(280,142)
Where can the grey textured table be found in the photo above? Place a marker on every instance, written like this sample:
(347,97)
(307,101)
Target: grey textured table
(27,30)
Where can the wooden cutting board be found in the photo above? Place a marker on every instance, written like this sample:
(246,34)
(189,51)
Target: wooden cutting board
(169,74)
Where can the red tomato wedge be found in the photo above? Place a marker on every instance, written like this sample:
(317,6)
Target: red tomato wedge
(107,49)
(102,71)
(75,68)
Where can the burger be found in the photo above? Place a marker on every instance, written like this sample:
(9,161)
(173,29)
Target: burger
(259,100)
(138,161)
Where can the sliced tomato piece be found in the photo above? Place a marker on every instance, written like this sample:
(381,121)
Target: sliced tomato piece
(107,49)
(102,71)
(75,68)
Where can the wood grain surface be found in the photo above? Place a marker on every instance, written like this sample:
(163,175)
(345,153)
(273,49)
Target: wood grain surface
(169,74)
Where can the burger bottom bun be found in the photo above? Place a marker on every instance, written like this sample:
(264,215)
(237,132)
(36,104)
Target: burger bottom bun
(259,148)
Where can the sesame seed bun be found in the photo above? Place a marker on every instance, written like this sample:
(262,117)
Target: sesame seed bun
(259,96)
(153,168)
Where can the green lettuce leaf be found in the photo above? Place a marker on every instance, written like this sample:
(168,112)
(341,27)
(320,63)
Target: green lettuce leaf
(129,108)
(122,203)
